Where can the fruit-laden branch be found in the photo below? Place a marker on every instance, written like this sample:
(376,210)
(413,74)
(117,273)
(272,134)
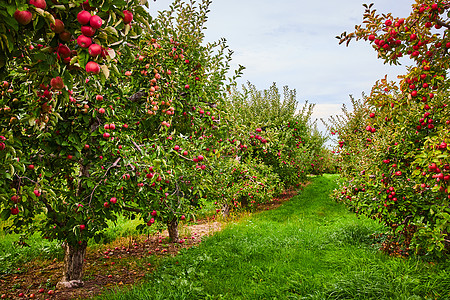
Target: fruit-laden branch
(137,146)
(442,23)
(114,165)
(184,157)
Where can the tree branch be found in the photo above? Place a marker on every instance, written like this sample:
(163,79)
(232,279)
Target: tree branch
(439,22)
(132,209)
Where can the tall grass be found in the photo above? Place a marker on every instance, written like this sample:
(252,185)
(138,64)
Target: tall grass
(309,248)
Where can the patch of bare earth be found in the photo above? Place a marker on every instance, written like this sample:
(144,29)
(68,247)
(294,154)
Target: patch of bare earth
(121,263)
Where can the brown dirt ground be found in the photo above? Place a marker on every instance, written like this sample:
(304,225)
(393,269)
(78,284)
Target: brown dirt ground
(122,263)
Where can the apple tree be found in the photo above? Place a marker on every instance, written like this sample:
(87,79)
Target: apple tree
(393,146)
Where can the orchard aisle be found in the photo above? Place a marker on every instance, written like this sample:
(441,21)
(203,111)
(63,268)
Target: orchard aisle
(309,248)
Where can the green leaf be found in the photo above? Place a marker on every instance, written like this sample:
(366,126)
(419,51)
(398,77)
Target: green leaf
(5,214)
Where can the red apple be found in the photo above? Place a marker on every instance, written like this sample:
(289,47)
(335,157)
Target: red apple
(96,22)
(38,3)
(106,135)
(112,126)
(57,83)
(99,97)
(23,17)
(200,157)
(15,198)
(41,290)
(69,157)
(58,27)
(64,51)
(84,41)
(154,213)
(183,217)
(92,67)
(14,210)
(82,227)
(86,147)
(2,146)
(88,30)
(95,50)
(101,110)
(37,193)
(31,167)
(51,292)
(127,17)
(176,148)
(84,17)
(113,200)
(106,205)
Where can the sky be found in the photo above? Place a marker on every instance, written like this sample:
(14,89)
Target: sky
(292,42)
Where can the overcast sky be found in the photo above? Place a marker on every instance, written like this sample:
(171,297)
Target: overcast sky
(292,42)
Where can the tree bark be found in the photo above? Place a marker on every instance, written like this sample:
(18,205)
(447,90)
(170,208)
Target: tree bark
(73,266)
(225,210)
(172,227)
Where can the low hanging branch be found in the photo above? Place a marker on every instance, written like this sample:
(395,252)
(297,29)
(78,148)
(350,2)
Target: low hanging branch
(114,165)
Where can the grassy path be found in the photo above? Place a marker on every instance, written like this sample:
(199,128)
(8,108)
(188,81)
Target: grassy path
(309,248)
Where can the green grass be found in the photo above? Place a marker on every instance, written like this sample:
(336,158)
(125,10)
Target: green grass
(309,248)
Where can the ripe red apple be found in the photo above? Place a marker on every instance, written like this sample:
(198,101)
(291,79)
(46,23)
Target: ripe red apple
(84,41)
(200,157)
(57,83)
(185,153)
(82,227)
(106,135)
(31,167)
(150,222)
(95,50)
(2,146)
(183,217)
(127,17)
(88,30)
(69,157)
(113,200)
(154,213)
(106,205)
(37,193)
(112,126)
(99,97)
(176,148)
(41,290)
(84,17)
(86,147)
(23,17)
(38,3)
(186,86)
(96,22)
(14,210)
(64,51)
(51,292)
(101,110)
(92,67)
(15,198)
(58,27)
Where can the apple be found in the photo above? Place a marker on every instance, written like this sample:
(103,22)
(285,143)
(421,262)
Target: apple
(186,86)
(58,27)
(127,17)
(112,126)
(21,295)
(64,51)
(2,146)
(14,210)
(95,50)
(84,41)
(113,200)
(88,30)
(84,17)
(185,153)
(106,135)
(23,17)
(176,148)
(92,67)
(200,157)
(37,193)
(183,217)
(69,157)
(154,213)
(106,205)
(38,3)
(51,292)
(101,110)
(96,22)
(86,147)
(15,198)
(41,290)
(65,36)
(82,227)
(99,97)
(150,222)
(57,83)
(106,126)
(31,167)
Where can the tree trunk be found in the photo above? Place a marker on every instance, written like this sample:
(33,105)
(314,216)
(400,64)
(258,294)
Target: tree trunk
(244,201)
(73,266)
(225,210)
(172,227)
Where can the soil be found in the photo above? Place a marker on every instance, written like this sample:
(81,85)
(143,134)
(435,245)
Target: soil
(124,262)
